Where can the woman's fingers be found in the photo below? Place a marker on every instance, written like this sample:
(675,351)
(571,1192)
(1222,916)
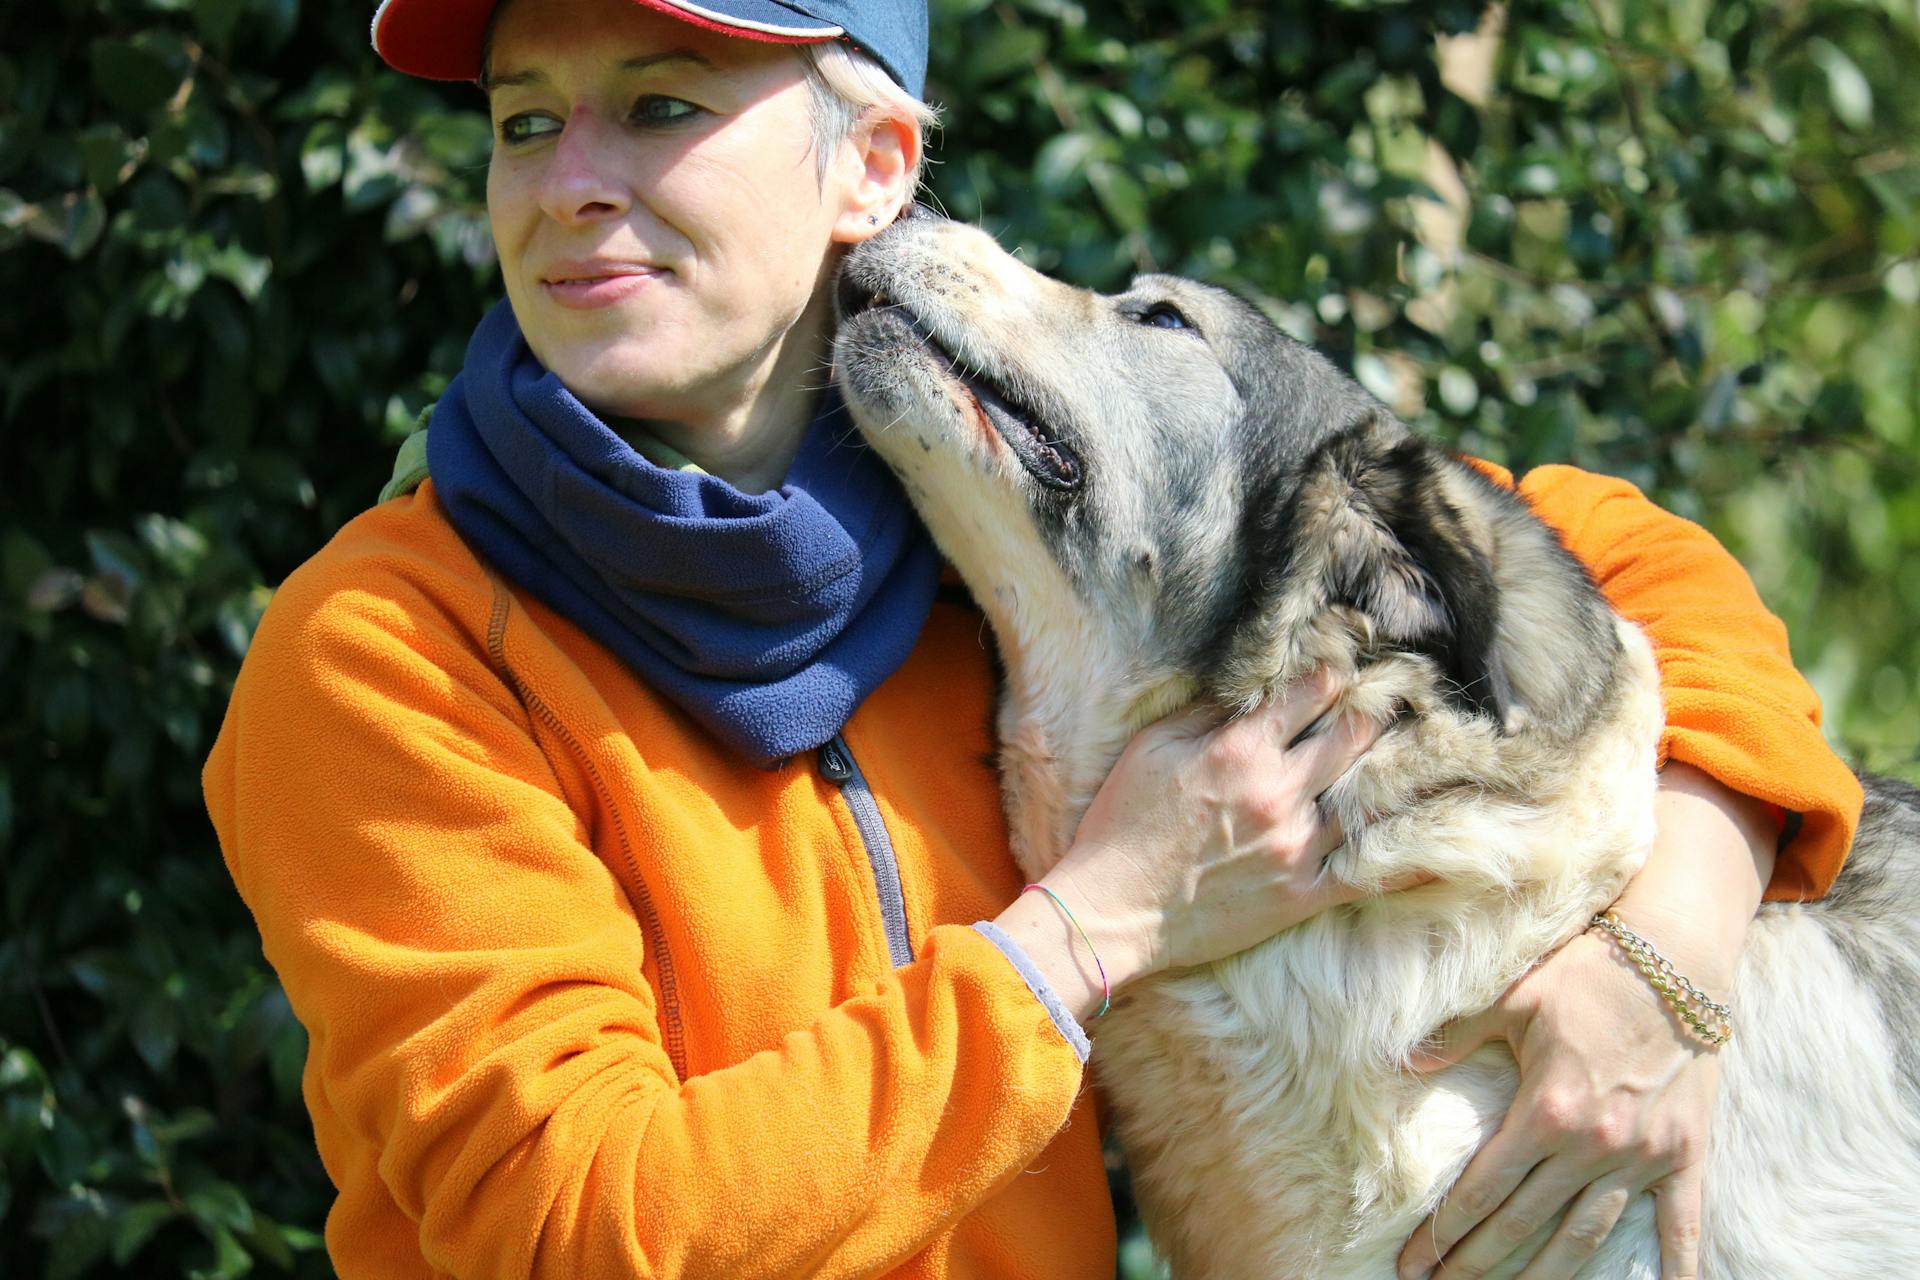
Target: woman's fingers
(1300,707)
(1457,1041)
(1332,750)
(1295,716)
(1496,1171)
(1210,838)
(1516,1231)
(1580,1234)
(1677,1207)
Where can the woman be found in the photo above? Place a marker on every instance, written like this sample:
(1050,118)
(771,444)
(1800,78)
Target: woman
(618,819)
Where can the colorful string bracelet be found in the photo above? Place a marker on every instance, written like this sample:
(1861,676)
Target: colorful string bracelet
(1106,992)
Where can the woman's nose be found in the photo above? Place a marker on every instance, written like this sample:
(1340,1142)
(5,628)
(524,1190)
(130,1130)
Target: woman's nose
(583,180)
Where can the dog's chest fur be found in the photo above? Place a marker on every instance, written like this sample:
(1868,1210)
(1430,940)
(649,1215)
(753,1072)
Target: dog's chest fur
(1268,1126)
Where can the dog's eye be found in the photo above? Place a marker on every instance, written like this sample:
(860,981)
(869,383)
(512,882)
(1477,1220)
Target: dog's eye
(1164,315)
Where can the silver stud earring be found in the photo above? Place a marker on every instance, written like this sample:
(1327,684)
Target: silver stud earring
(873,219)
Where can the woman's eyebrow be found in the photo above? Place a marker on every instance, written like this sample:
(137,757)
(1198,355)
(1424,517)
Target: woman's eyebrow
(489,82)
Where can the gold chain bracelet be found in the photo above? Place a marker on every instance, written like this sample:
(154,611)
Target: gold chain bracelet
(1680,994)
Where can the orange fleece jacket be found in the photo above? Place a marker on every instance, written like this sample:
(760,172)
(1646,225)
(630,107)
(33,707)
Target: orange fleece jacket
(589,999)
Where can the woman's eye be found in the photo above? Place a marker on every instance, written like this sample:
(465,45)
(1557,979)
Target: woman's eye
(527,126)
(1164,315)
(657,108)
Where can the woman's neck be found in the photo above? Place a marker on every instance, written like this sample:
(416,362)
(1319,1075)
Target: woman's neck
(751,438)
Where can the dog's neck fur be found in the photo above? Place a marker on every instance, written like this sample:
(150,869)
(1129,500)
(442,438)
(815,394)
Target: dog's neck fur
(1343,999)
(1347,996)
(1075,692)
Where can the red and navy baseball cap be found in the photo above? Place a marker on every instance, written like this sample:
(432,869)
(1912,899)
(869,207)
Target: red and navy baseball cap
(441,39)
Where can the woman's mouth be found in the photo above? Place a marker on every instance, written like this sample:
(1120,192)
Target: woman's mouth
(588,287)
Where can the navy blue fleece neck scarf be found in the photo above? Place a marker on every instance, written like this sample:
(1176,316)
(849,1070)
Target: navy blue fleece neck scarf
(768,618)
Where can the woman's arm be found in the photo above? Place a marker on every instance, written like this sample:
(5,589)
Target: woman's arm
(1615,1094)
(485,1043)
(1205,840)
(1736,707)
(472,977)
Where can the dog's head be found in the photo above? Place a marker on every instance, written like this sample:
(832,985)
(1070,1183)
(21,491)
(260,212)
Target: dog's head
(1164,466)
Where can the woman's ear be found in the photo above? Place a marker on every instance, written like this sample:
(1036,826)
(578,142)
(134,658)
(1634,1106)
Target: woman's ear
(879,160)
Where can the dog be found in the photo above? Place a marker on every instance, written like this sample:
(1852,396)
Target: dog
(1158,499)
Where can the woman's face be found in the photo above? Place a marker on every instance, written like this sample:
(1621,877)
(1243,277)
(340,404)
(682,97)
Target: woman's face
(659,213)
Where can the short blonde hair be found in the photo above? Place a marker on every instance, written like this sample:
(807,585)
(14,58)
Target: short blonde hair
(846,85)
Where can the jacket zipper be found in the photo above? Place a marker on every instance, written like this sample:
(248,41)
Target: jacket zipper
(671,1029)
(838,766)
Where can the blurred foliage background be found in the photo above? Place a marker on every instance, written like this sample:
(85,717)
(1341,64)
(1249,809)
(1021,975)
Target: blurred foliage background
(1670,239)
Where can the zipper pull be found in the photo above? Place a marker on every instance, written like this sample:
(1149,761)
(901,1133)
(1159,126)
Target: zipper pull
(836,764)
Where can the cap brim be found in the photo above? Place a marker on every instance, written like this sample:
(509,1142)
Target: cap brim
(441,39)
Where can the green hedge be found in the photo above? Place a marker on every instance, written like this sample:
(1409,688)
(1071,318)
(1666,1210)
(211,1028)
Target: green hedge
(237,258)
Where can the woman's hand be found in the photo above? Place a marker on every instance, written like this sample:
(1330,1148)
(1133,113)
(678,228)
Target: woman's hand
(1614,1100)
(1615,1095)
(1205,839)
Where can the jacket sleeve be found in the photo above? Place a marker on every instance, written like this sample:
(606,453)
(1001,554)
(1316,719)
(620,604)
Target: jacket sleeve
(471,977)
(1736,707)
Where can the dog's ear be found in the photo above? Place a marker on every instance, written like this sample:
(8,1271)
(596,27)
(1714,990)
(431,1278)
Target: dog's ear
(1390,540)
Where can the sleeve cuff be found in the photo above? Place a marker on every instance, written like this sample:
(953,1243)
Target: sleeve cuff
(1037,983)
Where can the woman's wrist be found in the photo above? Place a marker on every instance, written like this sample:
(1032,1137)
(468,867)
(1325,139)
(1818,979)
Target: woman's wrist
(1074,941)
(1703,879)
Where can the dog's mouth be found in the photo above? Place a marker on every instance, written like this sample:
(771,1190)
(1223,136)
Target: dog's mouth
(1045,457)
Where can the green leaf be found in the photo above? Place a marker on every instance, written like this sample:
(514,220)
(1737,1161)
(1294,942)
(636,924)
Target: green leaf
(155,1029)
(64,710)
(230,1260)
(245,271)
(81,1238)
(208,140)
(1062,163)
(19,1067)
(1376,375)
(22,560)
(135,75)
(102,972)
(242,180)
(1006,49)
(174,543)
(323,154)
(1122,114)
(372,174)
(184,1125)
(1847,88)
(63,1149)
(103,154)
(1120,195)
(270,1242)
(134,1225)
(216,18)
(329,93)
(74,221)
(456,139)
(221,1204)
(237,618)
(300,1238)
(115,554)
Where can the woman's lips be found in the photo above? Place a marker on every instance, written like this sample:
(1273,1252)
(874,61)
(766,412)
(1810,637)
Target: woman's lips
(586,292)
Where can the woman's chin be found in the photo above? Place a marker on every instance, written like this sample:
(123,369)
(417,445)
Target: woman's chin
(641,386)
